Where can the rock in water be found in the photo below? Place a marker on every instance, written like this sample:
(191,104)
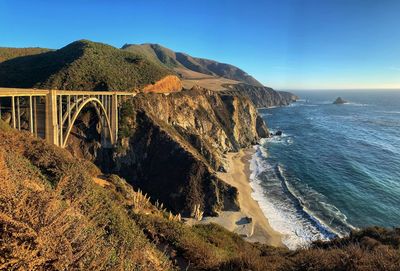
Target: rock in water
(339,100)
(278,133)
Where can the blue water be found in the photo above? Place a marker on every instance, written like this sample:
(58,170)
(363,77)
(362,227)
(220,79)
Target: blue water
(336,167)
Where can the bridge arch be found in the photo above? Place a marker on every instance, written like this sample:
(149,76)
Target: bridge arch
(100,111)
(59,109)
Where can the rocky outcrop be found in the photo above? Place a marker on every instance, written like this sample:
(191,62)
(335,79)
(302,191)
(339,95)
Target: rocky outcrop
(170,83)
(263,96)
(161,164)
(212,123)
(340,100)
(171,146)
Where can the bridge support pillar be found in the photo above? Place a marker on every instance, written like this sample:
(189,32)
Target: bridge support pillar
(52,131)
(14,122)
(31,123)
(114,118)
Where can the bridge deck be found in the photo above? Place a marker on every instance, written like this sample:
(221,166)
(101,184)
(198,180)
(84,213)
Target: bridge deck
(9,92)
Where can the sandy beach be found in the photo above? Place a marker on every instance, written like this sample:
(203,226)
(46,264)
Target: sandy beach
(259,229)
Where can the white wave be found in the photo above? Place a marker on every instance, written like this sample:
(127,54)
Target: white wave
(356,104)
(310,105)
(388,112)
(265,114)
(329,210)
(283,216)
(326,102)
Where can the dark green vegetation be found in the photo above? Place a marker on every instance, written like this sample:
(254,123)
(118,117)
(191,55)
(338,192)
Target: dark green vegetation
(86,65)
(82,65)
(55,216)
(9,53)
(182,61)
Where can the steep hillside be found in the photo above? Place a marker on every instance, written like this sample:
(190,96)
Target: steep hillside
(53,215)
(9,53)
(189,67)
(82,65)
(184,137)
(60,213)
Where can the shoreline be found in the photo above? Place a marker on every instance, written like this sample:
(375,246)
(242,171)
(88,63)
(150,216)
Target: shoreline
(258,228)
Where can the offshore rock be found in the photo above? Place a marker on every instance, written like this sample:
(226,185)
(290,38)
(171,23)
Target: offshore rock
(339,100)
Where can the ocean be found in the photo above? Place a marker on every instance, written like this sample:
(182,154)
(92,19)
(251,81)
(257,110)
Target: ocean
(334,169)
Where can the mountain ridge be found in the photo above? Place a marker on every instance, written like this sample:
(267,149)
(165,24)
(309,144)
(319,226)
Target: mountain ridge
(179,61)
(88,65)
(82,65)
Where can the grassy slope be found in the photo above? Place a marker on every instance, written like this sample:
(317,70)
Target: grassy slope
(9,53)
(82,65)
(179,61)
(53,216)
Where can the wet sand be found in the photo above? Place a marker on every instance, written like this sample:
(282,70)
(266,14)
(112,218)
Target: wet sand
(259,229)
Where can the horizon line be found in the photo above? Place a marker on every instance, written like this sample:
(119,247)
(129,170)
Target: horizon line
(324,89)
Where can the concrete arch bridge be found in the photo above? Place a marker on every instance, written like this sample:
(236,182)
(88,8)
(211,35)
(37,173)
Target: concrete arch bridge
(51,114)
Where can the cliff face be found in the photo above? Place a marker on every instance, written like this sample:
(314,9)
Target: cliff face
(212,123)
(264,96)
(171,146)
(163,165)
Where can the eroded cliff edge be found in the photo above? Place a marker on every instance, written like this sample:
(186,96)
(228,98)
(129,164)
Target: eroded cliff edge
(172,145)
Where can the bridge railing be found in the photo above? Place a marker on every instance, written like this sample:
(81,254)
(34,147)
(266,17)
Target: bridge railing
(56,108)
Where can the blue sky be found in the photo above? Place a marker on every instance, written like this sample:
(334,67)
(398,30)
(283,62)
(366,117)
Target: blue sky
(285,44)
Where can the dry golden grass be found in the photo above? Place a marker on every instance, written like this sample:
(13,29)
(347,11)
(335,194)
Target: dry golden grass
(214,83)
(54,217)
(168,84)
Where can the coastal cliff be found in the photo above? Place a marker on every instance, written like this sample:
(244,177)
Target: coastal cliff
(172,145)
(263,96)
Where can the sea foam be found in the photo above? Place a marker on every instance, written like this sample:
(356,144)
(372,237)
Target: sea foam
(282,206)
